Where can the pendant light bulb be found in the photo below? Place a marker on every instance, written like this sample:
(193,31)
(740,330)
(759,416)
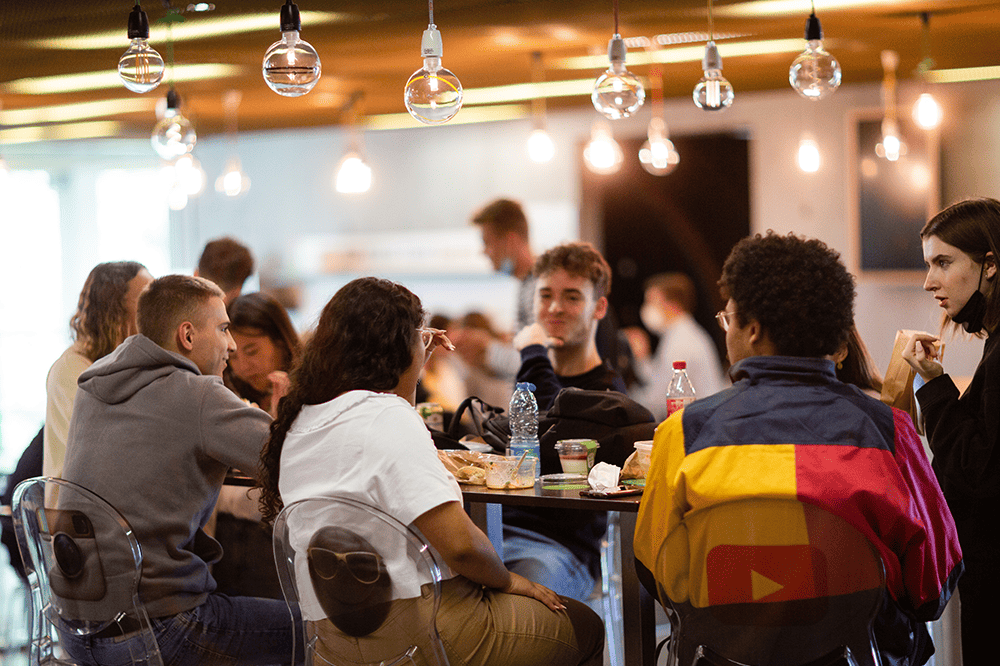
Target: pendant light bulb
(713,92)
(541,148)
(140,67)
(891,147)
(927,112)
(808,157)
(291,65)
(174,135)
(233,182)
(617,92)
(658,155)
(354,176)
(433,95)
(603,155)
(189,174)
(815,74)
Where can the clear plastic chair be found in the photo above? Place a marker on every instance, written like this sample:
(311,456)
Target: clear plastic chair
(83,565)
(331,554)
(770,582)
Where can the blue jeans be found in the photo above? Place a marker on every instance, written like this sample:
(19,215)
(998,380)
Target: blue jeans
(223,630)
(547,562)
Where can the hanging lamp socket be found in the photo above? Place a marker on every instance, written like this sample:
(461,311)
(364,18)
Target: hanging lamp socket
(290,19)
(173,99)
(138,23)
(712,59)
(813,29)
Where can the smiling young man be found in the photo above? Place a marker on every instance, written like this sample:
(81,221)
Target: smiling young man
(561,549)
(154,431)
(559,349)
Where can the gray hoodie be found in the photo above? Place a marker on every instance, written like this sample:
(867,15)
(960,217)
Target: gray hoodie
(154,437)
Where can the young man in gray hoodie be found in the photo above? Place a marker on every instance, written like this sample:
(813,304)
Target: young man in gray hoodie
(154,431)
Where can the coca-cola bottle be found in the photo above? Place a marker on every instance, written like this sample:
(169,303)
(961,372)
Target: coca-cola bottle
(680,391)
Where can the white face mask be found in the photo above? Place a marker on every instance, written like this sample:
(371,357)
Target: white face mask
(653,319)
(507,266)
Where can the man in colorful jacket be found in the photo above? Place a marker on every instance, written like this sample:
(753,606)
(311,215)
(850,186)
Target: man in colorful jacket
(787,428)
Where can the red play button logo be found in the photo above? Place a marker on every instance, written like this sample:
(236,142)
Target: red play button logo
(761,574)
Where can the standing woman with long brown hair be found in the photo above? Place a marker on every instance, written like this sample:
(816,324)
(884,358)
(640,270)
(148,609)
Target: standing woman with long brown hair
(105,315)
(961,246)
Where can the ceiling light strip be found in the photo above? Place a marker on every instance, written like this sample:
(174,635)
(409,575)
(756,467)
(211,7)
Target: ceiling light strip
(91,130)
(200,28)
(108,79)
(485,114)
(964,74)
(67,112)
(681,54)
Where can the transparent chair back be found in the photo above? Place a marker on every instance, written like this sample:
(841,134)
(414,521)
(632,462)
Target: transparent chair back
(83,565)
(770,581)
(352,637)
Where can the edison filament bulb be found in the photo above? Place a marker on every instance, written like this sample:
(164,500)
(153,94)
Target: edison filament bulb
(291,65)
(174,135)
(815,73)
(140,67)
(433,95)
(617,92)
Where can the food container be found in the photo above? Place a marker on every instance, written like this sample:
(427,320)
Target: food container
(505,474)
(643,452)
(573,456)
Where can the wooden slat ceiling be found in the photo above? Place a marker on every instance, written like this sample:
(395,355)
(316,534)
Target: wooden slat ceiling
(373,46)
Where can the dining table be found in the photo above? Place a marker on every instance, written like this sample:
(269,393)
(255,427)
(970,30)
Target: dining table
(484,506)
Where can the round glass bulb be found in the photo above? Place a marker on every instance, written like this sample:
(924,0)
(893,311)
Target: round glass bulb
(617,92)
(433,95)
(891,147)
(927,112)
(603,155)
(541,149)
(808,158)
(140,67)
(713,92)
(815,73)
(291,66)
(233,182)
(354,176)
(173,136)
(189,175)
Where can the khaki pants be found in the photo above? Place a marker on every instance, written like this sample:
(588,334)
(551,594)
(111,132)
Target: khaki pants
(478,627)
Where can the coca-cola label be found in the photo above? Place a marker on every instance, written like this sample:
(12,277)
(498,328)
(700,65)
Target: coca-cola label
(675,404)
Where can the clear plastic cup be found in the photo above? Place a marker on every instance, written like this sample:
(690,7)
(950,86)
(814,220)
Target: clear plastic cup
(644,450)
(576,455)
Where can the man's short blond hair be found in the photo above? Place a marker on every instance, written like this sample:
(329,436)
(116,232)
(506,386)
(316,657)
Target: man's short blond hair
(580,259)
(170,301)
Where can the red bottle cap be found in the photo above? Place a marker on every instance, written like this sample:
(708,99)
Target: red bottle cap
(680,365)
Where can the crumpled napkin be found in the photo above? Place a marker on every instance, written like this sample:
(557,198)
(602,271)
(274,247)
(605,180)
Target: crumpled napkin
(603,477)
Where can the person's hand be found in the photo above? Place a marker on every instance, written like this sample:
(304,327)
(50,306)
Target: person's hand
(439,338)
(534,334)
(280,385)
(922,352)
(525,588)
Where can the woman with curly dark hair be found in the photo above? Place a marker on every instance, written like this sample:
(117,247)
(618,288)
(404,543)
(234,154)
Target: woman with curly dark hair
(347,427)
(961,245)
(104,317)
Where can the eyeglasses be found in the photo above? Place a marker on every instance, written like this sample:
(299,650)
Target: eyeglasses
(722,316)
(364,566)
(426,336)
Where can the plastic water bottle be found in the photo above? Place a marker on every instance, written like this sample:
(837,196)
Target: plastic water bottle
(680,391)
(524,423)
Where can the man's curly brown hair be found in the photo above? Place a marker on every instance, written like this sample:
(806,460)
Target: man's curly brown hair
(796,288)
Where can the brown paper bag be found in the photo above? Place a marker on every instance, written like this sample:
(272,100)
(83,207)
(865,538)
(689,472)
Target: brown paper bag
(897,388)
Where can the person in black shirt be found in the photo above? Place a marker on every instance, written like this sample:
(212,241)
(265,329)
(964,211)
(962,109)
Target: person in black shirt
(561,549)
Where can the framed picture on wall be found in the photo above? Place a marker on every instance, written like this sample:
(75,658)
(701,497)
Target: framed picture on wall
(891,199)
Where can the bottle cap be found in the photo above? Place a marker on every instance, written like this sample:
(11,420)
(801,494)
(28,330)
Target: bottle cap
(527,386)
(680,365)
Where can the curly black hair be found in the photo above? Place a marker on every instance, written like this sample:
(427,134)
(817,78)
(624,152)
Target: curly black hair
(796,288)
(363,340)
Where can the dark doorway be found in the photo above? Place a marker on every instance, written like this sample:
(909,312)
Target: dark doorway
(686,221)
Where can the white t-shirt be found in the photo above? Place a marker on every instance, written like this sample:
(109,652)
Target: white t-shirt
(372,447)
